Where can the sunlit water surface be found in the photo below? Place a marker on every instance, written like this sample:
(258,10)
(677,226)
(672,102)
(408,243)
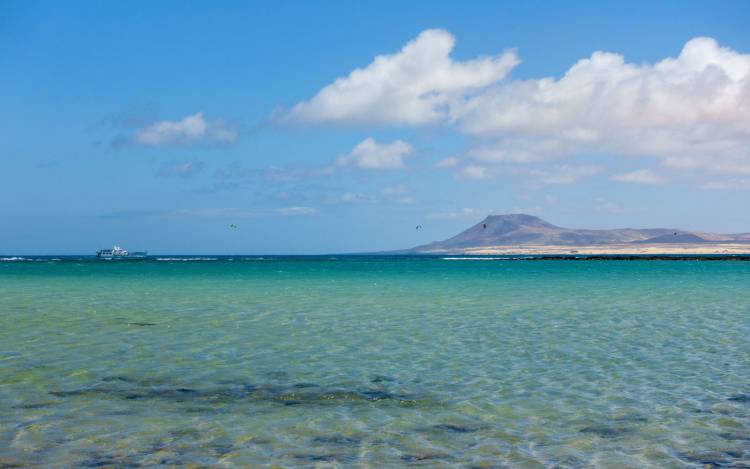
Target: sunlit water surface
(374,362)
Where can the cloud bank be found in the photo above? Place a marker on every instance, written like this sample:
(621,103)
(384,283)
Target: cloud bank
(691,112)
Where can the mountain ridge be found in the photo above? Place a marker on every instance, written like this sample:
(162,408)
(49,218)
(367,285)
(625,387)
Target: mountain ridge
(523,229)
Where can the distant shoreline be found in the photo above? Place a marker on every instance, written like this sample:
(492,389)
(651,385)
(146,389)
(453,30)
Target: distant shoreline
(472,254)
(604,250)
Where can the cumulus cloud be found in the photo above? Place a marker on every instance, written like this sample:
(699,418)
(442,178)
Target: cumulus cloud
(190,130)
(693,111)
(690,111)
(370,154)
(639,176)
(184,169)
(418,85)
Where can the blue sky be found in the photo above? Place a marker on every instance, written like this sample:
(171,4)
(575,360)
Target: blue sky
(340,126)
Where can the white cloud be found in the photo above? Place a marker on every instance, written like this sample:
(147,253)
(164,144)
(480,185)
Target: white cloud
(417,85)
(370,154)
(474,171)
(449,162)
(184,169)
(564,174)
(294,211)
(639,176)
(190,130)
(692,111)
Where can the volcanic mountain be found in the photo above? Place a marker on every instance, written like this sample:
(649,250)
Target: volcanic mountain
(520,229)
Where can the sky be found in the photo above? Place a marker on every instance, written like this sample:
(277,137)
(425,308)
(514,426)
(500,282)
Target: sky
(331,127)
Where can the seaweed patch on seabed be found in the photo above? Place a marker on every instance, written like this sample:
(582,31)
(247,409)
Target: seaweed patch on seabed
(11,463)
(734,459)
(734,436)
(338,440)
(414,458)
(606,432)
(176,449)
(382,379)
(336,458)
(126,388)
(454,428)
(739,398)
(100,459)
(31,406)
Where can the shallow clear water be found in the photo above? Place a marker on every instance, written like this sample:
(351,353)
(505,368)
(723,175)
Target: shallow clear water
(375,362)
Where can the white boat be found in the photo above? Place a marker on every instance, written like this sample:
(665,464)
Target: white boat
(117,252)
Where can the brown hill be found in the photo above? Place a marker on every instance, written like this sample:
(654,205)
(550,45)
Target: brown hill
(520,229)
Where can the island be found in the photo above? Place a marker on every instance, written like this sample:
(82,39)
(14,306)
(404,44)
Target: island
(527,234)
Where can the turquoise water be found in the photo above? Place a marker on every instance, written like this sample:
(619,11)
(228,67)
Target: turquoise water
(374,362)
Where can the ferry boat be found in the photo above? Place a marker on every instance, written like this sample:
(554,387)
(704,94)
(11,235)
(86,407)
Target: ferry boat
(117,252)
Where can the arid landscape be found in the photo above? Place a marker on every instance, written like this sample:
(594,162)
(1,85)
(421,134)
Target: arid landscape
(527,234)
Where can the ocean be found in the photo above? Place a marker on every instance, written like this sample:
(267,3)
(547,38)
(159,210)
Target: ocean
(374,361)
